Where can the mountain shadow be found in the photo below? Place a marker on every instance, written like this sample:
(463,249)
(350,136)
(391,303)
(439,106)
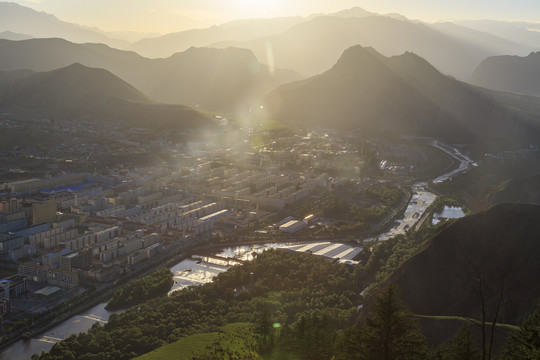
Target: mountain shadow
(79,91)
(403,95)
(496,249)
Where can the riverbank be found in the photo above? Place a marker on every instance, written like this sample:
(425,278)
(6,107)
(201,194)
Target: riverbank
(94,298)
(412,209)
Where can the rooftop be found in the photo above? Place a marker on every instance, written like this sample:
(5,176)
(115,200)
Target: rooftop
(47,291)
(59,253)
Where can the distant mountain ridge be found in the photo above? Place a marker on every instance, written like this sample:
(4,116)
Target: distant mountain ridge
(55,53)
(21,19)
(168,44)
(519,32)
(490,43)
(214,79)
(398,95)
(236,30)
(510,73)
(453,48)
(79,91)
(313,46)
(229,79)
(75,86)
(9,35)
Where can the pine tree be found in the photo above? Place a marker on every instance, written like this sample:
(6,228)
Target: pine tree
(264,329)
(461,347)
(312,337)
(391,333)
(525,344)
(348,346)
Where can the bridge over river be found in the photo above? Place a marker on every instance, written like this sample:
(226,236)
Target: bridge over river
(203,268)
(216,259)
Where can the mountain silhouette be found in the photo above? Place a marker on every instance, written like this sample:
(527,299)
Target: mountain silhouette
(74,86)
(314,46)
(510,73)
(214,79)
(79,91)
(9,35)
(24,20)
(239,30)
(400,95)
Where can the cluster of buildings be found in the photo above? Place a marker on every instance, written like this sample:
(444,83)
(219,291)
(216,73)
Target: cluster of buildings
(270,190)
(9,288)
(57,230)
(45,235)
(291,225)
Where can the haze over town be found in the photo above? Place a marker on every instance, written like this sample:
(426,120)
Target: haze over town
(269,179)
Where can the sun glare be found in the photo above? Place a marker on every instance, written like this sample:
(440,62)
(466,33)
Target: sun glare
(257,8)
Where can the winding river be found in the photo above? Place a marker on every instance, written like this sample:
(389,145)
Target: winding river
(190,272)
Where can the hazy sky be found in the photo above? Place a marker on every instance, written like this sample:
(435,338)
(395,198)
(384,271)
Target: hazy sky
(163,16)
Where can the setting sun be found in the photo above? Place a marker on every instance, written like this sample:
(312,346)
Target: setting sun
(269,179)
(257,7)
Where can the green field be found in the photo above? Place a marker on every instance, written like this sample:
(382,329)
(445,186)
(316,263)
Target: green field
(237,339)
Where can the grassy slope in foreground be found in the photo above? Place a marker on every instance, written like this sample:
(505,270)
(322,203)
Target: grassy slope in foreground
(237,338)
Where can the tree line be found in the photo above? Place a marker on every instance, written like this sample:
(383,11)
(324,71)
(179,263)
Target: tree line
(302,307)
(141,290)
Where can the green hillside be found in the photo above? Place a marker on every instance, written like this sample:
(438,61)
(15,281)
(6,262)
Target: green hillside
(233,341)
(494,252)
(305,307)
(523,190)
(295,300)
